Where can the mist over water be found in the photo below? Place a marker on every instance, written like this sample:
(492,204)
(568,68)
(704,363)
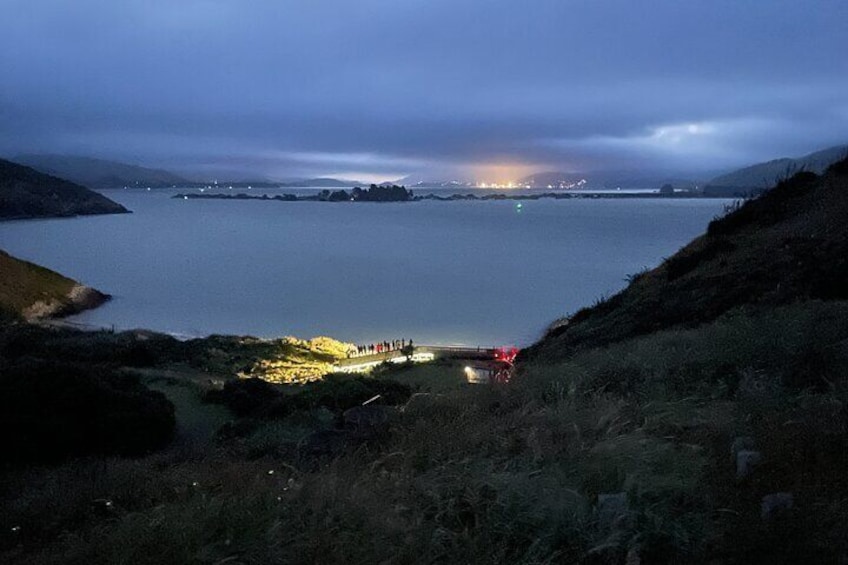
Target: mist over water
(475,273)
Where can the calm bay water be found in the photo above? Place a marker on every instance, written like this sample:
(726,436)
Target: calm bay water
(475,273)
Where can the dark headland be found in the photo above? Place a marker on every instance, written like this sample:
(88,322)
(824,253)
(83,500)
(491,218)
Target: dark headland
(26,193)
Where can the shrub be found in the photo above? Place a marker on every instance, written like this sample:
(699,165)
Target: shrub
(251,397)
(51,411)
(260,399)
(127,348)
(340,392)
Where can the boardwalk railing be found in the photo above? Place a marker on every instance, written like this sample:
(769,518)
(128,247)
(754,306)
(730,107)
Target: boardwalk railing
(419,353)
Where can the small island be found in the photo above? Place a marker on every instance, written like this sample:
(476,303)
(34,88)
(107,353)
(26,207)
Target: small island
(375,193)
(395,193)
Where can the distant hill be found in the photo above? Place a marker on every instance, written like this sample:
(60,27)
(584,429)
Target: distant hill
(759,177)
(31,292)
(422,181)
(322,183)
(27,193)
(99,173)
(553,180)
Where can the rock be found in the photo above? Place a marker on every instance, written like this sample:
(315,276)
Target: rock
(613,510)
(776,504)
(77,299)
(741,443)
(746,461)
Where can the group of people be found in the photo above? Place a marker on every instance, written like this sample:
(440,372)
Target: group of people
(380,347)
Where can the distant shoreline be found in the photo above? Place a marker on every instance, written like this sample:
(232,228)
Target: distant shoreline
(458,197)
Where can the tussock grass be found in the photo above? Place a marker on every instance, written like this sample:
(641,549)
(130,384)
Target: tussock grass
(503,474)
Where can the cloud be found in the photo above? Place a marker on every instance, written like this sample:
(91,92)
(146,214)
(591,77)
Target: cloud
(381,87)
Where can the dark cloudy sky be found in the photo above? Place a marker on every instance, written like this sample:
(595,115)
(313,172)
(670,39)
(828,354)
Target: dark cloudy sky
(383,88)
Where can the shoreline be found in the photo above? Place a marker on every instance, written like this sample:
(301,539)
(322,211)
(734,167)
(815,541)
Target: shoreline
(459,197)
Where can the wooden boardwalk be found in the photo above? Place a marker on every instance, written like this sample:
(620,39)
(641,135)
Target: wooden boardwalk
(419,353)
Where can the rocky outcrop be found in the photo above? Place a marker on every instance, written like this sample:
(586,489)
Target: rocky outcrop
(79,298)
(31,292)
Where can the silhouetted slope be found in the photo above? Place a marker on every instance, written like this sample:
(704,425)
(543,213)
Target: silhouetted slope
(26,193)
(789,244)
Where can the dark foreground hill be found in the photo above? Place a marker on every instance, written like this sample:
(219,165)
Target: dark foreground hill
(26,193)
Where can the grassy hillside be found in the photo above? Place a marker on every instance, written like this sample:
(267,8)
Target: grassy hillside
(26,193)
(789,244)
(29,291)
(613,454)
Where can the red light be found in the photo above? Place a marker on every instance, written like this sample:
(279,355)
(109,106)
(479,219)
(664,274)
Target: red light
(506,354)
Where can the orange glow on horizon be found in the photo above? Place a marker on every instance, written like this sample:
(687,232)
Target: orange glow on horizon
(501,174)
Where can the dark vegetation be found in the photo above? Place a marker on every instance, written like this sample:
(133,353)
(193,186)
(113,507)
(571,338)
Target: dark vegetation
(126,349)
(375,193)
(26,193)
(700,416)
(259,399)
(214,355)
(50,411)
(64,394)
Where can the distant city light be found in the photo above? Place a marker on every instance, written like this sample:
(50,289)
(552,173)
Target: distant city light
(563,184)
